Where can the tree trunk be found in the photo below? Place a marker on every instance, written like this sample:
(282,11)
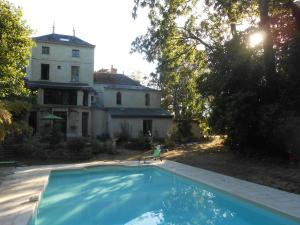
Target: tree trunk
(269,56)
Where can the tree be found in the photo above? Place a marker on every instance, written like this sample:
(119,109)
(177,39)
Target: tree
(179,60)
(15,44)
(250,94)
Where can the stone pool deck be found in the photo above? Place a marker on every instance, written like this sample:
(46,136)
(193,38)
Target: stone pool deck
(20,191)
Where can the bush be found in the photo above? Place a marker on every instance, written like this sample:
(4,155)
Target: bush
(103,137)
(55,138)
(41,153)
(125,132)
(76,145)
(97,146)
(171,137)
(108,147)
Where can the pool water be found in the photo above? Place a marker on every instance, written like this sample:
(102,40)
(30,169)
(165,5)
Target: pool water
(141,196)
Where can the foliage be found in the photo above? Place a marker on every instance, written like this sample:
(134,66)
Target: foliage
(108,147)
(75,145)
(171,137)
(250,94)
(14,50)
(55,137)
(15,44)
(125,132)
(97,146)
(179,61)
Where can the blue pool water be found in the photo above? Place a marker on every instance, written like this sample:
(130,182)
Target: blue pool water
(141,196)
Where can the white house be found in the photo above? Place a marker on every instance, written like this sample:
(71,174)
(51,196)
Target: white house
(91,104)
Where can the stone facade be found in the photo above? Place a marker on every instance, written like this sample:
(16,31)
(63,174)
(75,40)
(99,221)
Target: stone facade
(91,104)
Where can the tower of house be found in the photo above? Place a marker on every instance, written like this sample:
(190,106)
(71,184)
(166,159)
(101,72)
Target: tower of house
(61,71)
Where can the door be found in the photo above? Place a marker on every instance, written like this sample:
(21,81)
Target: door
(85,119)
(147,127)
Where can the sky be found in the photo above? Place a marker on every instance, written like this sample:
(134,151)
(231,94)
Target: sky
(108,24)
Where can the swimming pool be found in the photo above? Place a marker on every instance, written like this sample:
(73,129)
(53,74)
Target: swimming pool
(142,195)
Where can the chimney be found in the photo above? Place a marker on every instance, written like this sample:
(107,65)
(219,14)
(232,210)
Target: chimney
(113,70)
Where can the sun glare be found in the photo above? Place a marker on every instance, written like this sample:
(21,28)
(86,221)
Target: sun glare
(256,38)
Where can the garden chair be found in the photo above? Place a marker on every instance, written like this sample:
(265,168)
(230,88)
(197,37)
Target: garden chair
(155,154)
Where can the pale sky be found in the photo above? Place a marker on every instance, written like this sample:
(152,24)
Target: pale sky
(105,23)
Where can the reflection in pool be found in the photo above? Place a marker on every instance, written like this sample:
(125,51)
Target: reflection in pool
(141,196)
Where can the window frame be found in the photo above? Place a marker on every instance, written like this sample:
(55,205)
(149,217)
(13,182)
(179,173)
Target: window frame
(119,98)
(45,50)
(75,53)
(45,75)
(147,99)
(75,77)
(60,97)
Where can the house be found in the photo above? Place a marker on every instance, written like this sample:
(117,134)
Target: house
(61,71)
(122,103)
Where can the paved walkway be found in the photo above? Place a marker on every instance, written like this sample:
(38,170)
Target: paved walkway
(19,192)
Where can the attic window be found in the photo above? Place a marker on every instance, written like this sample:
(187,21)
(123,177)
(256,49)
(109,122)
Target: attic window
(64,39)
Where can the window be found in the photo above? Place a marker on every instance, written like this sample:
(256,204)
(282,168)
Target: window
(75,73)
(45,71)
(75,53)
(85,98)
(45,50)
(119,98)
(60,97)
(147,99)
(147,127)
(58,67)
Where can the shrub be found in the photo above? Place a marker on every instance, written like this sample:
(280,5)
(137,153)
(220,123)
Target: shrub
(85,153)
(125,132)
(144,141)
(97,146)
(75,145)
(55,138)
(41,153)
(184,130)
(171,136)
(108,146)
(103,137)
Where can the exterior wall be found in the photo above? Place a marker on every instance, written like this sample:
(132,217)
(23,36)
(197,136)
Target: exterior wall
(61,55)
(131,98)
(100,123)
(74,120)
(160,126)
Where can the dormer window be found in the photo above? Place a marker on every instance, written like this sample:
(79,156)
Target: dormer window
(75,53)
(45,50)
(147,99)
(119,98)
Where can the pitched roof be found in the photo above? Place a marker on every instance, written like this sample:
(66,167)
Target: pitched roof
(63,39)
(138,113)
(118,81)
(114,78)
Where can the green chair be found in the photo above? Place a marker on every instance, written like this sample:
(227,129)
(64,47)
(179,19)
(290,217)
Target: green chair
(155,154)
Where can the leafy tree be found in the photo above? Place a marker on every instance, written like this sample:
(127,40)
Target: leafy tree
(15,44)
(250,94)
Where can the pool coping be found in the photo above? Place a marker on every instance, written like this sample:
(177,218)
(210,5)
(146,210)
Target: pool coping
(27,183)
